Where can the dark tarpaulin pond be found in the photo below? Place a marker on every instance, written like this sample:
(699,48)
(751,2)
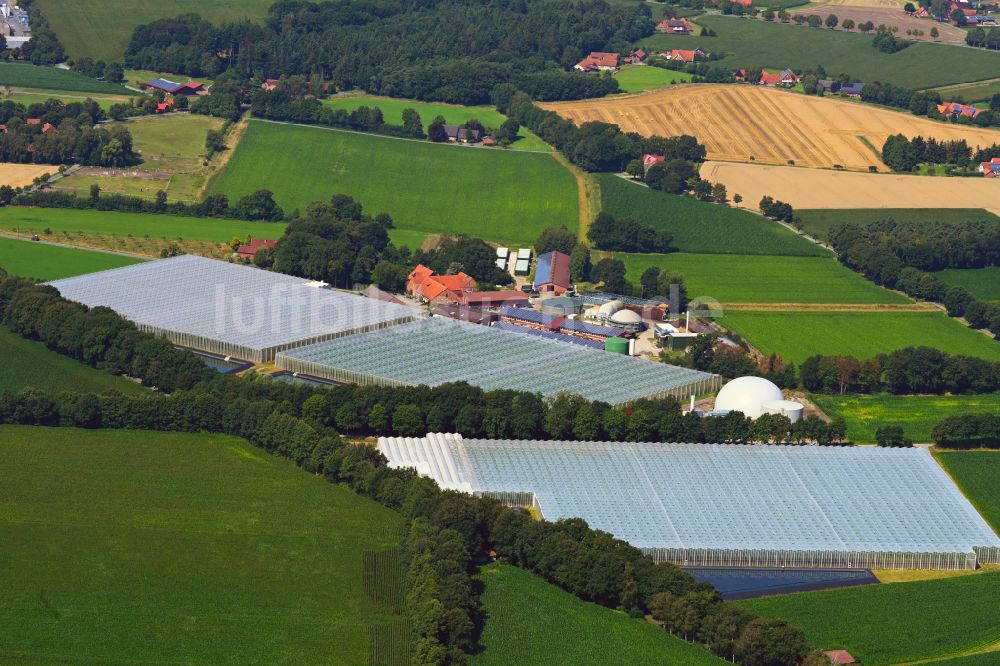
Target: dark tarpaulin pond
(747,583)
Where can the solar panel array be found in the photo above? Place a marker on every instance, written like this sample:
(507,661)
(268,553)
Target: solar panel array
(600,298)
(548,335)
(737,505)
(227,308)
(436,351)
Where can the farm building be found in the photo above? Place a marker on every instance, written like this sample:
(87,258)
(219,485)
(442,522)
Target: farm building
(172,88)
(249,250)
(957,109)
(522,261)
(458,134)
(552,273)
(786,78)
(675,26)
(427,285)
(437,351)
(990,169)
(684,55)
(229,309)
(635,57)
(598,61)
(493,299)
(850,89)
(726,504)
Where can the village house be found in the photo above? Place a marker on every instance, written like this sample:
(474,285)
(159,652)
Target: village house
(990,169)
(171,88)
(955,109)
(598,61)
(269,85)
(249,250)
(675,26)
(425,284)
(836,87)
(685,56)
(458,134)
(649,160)
(787,78)
(921,13)
(635,57)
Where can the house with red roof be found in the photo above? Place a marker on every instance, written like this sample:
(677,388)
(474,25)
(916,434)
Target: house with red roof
(164,106)
(49,127)
(840,657)
(425,284)
(769,79)
(787,78)
(269,84)
(249,250)
(684,55)
(34,121)
(649,160)
(635,57)
(598,61)
(744,3)
(990,169)
(955,109)
(675,26)
(921,13)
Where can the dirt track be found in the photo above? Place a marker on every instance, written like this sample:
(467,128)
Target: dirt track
(815,188)
(743,123)
(20,175)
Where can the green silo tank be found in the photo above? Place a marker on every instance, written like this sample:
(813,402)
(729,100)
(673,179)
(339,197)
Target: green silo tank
(616,345)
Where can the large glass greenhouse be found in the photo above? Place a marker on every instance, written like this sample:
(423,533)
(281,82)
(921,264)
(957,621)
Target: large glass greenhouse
(727,504)
(229,309)
(436,351)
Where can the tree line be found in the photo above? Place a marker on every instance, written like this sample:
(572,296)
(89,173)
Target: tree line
(967,431)
(903,154)
(924,103)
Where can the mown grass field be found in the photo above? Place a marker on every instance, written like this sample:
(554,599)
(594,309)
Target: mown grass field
(751,43)
(501,196)
(144,547)
(101,29)
(973,92)
(57,220)
(977,473)
(529,621)
(894,623)
(50,78)
(28,363)
(799,335)
(702,227)
(392,112)
(818,222)
(636,78)
(732,278)
(983,283)
(29,96)
(916,413)
(51,262)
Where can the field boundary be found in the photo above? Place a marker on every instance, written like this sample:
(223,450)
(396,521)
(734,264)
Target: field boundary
(233,138)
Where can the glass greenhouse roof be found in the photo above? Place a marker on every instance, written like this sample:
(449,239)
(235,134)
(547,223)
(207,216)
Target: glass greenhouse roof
(719,496)
(438,350)
(227,302)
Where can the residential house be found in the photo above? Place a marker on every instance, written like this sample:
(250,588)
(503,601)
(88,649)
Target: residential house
(744,3)
(552,273)
(171,88)
(740,76)
(769,79)
(848,89)
(840,657)
(990,169)
(955,109)
(425,284)
(685,56)
(49,127)
(249,250)
(458,134)
(649,160)
(598,61)
(675,26)
(635,57)
(269,84)
(787,78)
(33,121)
(164,106)
(981,19)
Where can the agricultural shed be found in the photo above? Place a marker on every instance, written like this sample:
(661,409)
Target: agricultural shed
(229,309)
(727,504)
(552,273)
(437,351)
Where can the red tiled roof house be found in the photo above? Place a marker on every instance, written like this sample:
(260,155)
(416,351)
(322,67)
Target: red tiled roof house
(598,61)
(249,250)
(425,284)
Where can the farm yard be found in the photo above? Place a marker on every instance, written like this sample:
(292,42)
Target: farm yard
(502,196)
(51,262)
(573,632)
(817,222)
(23,175)
(753,123)
(816,188)
(173,547)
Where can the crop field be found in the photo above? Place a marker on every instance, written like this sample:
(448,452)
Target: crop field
(897,622)
(977,473)
(50,78)
(744,123)
(752,43)
(892,17)
(51,262)
(821,188)
(30,363)
(392,112)
(916,413)
(101,29)
(799,335)
(145,547)
(983,283)
(29,96)
(730,278)
(698,226)
(636,78)
(529,621)
(502,196)
(21,175)
(980,91)
(817,222)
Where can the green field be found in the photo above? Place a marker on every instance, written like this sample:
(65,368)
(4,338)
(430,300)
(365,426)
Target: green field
(501,196)
(29,96)
(50,78)
(749,43)
(985,659)
(636,78)
(978,475)
(29,363)
(701,227)
(149,547)
(973,92)
(916,413)
(983,283)
(392,113)
(51,262)
(897,622)
(818,222)
(799,335)
(529,621)
(732,278)
(101,29)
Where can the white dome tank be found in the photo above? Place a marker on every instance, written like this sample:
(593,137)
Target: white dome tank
(610,308)
(747,395)
(793,410)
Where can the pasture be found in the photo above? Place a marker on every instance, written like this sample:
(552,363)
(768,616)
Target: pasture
(698,226)
(977,473)
(23,75)
(731,278)
(101,29)
(51,262)
(29,96)
(980,91)
(896,622)
(746,123)
(29,363)
(502,196)
(799,335)
(23,175)
(159,547)
(637,78)
(529,621)
(823,188)
(392,112)
(917,414)
(983,283)
(753,43)
(817,222)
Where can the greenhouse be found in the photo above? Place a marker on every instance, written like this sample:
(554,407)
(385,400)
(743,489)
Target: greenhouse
(437,351)
(229,309)
(727,504)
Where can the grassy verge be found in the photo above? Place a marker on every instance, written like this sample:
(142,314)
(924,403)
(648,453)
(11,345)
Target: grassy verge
(51,262)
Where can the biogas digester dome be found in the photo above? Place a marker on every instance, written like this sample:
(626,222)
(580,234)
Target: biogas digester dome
(747,395)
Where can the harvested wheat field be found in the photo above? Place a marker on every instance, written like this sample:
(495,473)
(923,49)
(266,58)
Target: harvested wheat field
(20,175)
(814,188)
(744,123)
